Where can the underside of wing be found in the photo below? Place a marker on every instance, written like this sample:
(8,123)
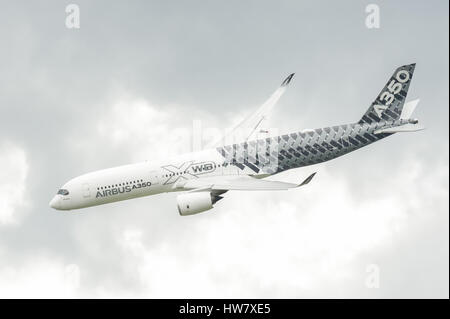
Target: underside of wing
(242,183)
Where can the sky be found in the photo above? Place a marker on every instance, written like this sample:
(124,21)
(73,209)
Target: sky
(127,86)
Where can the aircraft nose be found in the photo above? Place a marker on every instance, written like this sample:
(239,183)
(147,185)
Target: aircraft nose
(55,203)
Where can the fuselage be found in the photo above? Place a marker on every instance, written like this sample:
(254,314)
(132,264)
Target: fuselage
(259,158)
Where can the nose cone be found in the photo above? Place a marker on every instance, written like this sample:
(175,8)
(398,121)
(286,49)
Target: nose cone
(55,202)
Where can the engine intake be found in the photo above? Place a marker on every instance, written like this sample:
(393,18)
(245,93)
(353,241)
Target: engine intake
(196,202)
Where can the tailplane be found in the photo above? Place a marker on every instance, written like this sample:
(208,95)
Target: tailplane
(406,123)
(389,103)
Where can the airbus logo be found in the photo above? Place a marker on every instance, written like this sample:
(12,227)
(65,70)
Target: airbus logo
(123,189)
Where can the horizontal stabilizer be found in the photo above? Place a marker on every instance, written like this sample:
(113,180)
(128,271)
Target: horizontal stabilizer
(402,128)
(408,109)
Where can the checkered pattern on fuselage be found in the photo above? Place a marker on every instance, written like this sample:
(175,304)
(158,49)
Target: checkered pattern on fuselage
(280,153)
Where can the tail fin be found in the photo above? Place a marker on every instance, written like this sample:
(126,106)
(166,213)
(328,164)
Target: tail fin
(389,103)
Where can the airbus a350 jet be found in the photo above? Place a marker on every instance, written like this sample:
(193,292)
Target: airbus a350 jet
(205,176)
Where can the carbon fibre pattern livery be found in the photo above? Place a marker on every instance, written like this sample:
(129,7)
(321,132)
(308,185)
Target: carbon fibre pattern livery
(389,103)
(277,154)
(280,153)
(206,175)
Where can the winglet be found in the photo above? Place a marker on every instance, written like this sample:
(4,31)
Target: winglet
(307,180)
(287,80)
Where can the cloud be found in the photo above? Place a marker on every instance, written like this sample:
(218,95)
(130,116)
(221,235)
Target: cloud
(299,243)
(40,277)
(145,130)
(150,131)
(13,176)
(101,96)
(302,243)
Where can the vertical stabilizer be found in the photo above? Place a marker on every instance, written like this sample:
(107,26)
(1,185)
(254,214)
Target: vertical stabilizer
(389,103)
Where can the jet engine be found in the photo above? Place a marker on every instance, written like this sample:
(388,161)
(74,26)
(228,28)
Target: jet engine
(196,202)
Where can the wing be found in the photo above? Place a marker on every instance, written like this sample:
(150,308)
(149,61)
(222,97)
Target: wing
(242,183)
(251,125)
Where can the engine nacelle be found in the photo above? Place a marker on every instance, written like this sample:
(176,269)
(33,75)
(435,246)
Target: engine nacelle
(196,202)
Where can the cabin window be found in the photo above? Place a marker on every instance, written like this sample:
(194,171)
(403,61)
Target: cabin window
(63,192)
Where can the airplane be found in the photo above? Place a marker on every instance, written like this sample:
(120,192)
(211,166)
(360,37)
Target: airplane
(205,176)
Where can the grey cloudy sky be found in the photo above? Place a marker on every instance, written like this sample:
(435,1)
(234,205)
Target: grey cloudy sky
(121,89)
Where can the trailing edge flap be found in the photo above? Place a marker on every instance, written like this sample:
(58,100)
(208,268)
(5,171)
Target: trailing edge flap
(248,128)
(402,128)
(243,183)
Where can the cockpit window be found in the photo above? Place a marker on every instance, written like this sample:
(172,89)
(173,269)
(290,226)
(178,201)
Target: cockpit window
(63,192)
